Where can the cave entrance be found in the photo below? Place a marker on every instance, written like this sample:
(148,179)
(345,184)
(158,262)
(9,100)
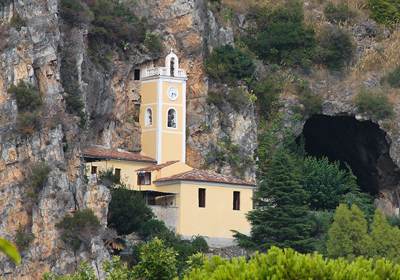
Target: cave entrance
(362,145)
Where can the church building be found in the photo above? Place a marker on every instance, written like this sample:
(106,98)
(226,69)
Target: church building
(190,201)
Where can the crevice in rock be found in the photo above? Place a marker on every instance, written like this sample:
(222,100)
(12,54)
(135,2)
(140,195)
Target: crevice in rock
(361,144)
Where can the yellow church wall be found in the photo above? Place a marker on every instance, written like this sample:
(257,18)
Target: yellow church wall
(171,147)
(149,92)
(149,142)
(128,170)
(217,218)
(166,86)
(175,168)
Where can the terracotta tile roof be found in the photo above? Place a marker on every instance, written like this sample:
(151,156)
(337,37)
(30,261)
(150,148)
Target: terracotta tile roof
(102,154)
(205,176)
(158,166)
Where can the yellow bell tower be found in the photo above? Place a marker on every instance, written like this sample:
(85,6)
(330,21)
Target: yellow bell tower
(163,111)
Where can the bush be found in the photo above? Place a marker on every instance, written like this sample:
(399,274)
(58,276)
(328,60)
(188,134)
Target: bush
(338,13)
(337,48)
(384,11)
(127,210)
(17,22)
(78,228)
(393,78)
(28,123)
(228,65)
(238,98)
(376,105)
(267,92)
(157,262)
(37,178)
(153,42)
(28,96)
(312,104)
(280,36)
(152,228)
(23,239)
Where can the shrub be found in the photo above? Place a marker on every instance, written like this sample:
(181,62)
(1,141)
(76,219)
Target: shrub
(152,228)
(76,229)
(228,65)
(312,103)
(279,35)
(157,262)
(28,123)
(127,210)
(108,178)
(37,178)
(392,78)
(376,105)
(267,92)
(23,239)
(337,47)
(238,98)
(17,22)
(384,11)
(28,96)
(153,42)
(338,13)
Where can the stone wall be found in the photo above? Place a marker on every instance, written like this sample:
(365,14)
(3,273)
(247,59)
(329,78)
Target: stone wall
(168,214)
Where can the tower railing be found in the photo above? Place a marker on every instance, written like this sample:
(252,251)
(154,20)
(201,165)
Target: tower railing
(161,71)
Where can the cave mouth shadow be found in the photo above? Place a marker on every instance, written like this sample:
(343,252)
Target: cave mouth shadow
(361,144)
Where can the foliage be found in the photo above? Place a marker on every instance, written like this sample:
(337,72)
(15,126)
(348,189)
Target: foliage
(384,11)
(392,78)
(74,228)
(312,104)
(115,270)
(128,211)
(364,201)
(108,178)
(321,223)
(153,43)
(393,220)
(157,262)
(152,228)
(237,97)
(22,239)
(10,251)
(228,65)
(279,35)
(18,22)
(348,235)
(37,178)
(338,13)
(28,96)
(325,183)
(267,92)
(336,47)
(281,210)
(288,264)
(28,122)
(375,104)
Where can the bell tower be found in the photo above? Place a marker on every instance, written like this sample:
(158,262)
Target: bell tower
(163,111)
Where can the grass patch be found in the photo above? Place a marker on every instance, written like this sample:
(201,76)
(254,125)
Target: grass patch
(374,104)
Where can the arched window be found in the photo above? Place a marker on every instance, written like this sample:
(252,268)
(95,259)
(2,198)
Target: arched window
(172,65)
(172,118)
(148,117)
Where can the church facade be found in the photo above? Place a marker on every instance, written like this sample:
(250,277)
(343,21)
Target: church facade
(190,201)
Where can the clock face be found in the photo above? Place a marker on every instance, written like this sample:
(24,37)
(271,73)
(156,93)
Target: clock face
(172,93)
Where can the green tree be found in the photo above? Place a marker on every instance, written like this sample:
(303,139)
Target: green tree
(325,183)
(127,210)
(386,239)
(281,210)
(348,235)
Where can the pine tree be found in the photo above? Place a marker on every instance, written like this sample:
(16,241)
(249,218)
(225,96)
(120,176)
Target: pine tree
(281,211)
(348,235)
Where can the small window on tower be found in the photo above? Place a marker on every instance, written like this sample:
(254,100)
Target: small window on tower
(202,197)
(171,118)
(137,74)
(236,200)
(148,121)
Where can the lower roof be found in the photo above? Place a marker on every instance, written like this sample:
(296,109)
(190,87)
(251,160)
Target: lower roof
(98,154)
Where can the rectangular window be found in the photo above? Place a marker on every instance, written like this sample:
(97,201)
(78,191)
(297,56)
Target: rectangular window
(144,179)
(202,197)
(236,200)
(118,173)
(137,74)
(94,170)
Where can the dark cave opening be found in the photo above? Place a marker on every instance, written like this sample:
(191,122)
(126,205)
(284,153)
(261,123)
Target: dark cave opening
(362,144)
